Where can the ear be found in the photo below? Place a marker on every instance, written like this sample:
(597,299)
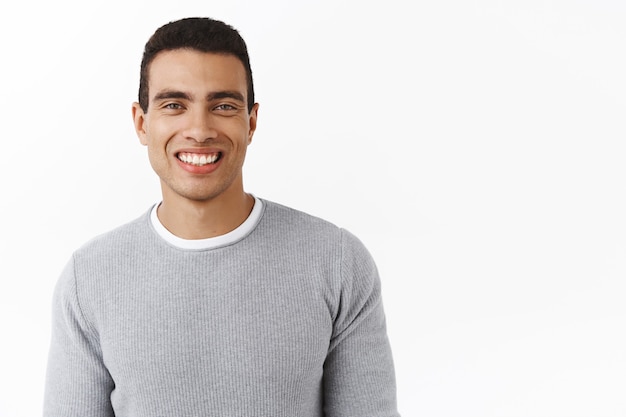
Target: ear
(139,119)
(252,118)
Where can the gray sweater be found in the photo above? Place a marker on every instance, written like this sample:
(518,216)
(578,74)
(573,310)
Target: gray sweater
(285,322)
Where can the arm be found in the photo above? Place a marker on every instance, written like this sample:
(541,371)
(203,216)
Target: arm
(77,382)
(359,378)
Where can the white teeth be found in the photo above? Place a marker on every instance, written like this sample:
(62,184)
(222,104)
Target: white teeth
(196,159)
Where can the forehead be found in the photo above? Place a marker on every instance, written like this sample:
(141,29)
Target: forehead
(194,71)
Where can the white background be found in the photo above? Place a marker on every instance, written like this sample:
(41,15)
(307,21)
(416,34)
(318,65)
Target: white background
(476,147)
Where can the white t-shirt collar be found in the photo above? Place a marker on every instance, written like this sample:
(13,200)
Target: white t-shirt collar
(211,242)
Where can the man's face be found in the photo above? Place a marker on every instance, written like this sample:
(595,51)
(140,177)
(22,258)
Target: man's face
(197,127)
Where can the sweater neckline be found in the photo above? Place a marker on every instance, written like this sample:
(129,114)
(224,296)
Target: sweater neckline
(212,242)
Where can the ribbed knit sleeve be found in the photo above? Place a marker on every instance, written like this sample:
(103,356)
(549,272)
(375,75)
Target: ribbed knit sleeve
(359,375)
(77,382)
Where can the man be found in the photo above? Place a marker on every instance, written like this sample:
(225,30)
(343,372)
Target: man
(215,302)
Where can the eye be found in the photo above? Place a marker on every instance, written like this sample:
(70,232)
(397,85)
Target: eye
(173,106)
(225,106)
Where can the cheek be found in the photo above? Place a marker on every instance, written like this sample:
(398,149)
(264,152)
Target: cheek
(157,145)
(158,135)
(157,158)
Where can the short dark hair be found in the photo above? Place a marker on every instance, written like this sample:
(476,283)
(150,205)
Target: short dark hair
(199,33)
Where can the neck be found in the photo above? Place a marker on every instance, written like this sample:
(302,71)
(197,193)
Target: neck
(190,219)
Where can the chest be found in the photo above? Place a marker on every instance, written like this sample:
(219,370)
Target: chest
(194,325)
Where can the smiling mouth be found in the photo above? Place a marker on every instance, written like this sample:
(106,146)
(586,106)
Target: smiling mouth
(199,159)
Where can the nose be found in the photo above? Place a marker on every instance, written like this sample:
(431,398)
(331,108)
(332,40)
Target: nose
(200,126)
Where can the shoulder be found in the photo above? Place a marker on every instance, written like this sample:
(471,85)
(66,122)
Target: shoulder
(288,219)
(122,239)
(291,227)
(283,222)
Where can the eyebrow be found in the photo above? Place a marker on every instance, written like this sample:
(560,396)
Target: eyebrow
(235,95)
(170,94)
